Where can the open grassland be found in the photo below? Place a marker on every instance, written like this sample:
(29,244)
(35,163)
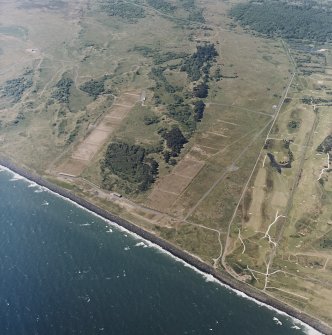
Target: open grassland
(248,193)
(281,235)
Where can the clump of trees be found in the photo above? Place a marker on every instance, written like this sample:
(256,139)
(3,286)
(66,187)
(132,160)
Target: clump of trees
(326,145)
(315,101)
(130,162)
(62,90)
(199,62)
(199,108)
(175,140)
(94,87)
(293,124)
(201,90)
(326,242)
(308,20)
(14,88)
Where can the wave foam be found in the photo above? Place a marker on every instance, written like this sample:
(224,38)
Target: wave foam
(141,244)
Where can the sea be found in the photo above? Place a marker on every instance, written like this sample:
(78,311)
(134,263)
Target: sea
(65,270)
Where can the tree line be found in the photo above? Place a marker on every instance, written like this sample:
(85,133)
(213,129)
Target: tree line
(308,20)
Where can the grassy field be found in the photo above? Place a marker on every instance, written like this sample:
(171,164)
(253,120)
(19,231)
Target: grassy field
(77,76)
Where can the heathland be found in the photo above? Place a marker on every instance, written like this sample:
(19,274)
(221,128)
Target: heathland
(206,123)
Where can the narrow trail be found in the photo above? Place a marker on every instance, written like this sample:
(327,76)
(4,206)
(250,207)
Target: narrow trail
(240,108)
(215,260)
(267,235)
(240,238)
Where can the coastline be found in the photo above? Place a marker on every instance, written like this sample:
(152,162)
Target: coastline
(222,277)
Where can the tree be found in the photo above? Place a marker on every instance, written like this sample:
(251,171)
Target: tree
(199,107)
(201,90)
(175,139)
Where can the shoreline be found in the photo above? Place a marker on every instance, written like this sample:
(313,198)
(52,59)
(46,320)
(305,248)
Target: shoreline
(175,251)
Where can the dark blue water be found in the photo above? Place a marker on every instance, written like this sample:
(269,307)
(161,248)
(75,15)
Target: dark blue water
(62,271)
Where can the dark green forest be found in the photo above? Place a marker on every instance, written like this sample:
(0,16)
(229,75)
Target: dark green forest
(307,19)
(130,162)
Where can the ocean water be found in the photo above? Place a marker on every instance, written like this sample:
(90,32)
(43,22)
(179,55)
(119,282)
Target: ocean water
(64,270)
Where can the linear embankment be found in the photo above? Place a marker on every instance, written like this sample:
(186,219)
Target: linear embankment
(222,276)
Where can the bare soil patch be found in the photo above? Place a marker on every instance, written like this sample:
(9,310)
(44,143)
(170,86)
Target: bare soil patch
(160,200)
(171,186)
(188,167)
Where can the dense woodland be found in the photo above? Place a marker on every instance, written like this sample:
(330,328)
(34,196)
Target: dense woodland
(130,162)
(309,20)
